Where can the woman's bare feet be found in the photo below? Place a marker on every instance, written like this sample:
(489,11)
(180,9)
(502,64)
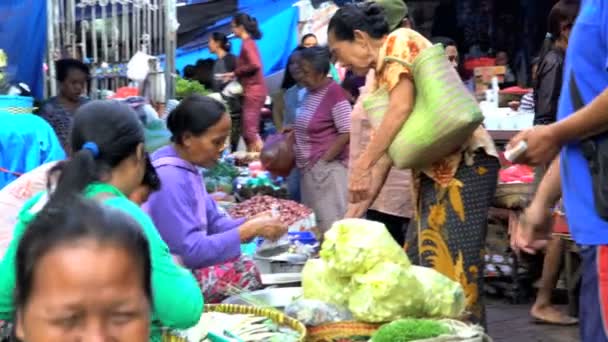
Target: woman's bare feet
(548,314)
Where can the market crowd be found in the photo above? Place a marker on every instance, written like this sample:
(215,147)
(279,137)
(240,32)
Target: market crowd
(120,189)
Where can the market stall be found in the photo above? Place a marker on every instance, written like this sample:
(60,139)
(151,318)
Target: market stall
(107,34)
(353,291)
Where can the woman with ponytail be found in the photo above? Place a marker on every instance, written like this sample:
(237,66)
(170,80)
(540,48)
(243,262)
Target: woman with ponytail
(220,46)
(549,74)
(250,72)
(108,164)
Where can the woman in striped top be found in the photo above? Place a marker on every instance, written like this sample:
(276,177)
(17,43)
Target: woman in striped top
(322,131)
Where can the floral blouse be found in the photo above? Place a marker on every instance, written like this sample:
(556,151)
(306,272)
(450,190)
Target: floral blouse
(406,45)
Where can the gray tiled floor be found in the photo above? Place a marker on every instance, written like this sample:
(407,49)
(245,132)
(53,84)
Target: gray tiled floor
(508,322)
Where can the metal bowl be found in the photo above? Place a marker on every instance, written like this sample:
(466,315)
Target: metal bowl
(277,298)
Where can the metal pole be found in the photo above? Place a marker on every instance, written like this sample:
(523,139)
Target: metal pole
(170,46)
(153,46)
(104,31)
(125,30)
(115,32)
(136,27)
(73,34)
(148,27)
(50,32)
(94,33)
(161,26)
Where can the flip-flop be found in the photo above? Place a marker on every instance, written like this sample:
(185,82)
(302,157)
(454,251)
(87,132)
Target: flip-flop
(565,321)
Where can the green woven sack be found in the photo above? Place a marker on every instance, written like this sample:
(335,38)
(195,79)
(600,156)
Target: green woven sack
(444,117)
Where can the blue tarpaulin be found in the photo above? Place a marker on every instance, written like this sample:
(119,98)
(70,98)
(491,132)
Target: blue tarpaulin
(279,25)
(23,38)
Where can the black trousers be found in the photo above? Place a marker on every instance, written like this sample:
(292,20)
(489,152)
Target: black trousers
(396,225)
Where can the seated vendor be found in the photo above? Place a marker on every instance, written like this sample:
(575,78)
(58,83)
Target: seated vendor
(108,164)
(186,216)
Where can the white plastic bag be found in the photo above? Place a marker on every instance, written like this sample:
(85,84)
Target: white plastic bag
(138,67)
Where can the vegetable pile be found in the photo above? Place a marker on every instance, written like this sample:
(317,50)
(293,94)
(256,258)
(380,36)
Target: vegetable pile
(406,330)
(185,88)
(221,177)
(290,212)
(364,269)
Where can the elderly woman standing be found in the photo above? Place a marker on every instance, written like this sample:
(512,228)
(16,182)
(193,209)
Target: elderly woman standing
(390,202)
(454,193)
(322,131)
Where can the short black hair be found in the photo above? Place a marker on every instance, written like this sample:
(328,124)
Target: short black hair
(195,114)
(368,17)
(189,71)
(63,223)
(288,80)
(63,67)
(222,40)
(317,56)
(445,41)
(306,36)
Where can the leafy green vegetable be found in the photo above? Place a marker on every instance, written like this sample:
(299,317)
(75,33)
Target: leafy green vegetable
(185,88)
(443,297)
(385,293)
(406,330)
(356,246)
(222,169)
(321,283)
(362,266)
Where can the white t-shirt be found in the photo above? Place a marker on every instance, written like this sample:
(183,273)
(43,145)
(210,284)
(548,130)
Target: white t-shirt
(13,197)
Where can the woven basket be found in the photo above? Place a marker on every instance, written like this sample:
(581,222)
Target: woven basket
(275,315)
(342,332)
(513,196)
(10,104)
(462,332)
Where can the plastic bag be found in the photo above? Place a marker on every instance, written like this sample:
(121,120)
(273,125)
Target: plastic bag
(138,67)
(278,155)
(444,298)
(315,312)
(387,292)
(356,246)
(321,283)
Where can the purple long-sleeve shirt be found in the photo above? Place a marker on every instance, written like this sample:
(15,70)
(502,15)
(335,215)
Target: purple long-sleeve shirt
(187,218)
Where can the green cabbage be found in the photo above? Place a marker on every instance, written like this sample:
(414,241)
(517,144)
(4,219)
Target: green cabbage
(385,293)
(361,266)
(443,297)
(356,246)
(321,283)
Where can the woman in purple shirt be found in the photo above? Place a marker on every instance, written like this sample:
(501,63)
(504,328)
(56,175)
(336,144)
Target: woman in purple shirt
(186,216)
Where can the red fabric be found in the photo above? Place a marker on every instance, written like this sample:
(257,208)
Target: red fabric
(252,114)
(560,226)
(249,70)
(602,277)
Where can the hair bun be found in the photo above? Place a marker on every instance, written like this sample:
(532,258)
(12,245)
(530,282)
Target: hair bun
(371,9)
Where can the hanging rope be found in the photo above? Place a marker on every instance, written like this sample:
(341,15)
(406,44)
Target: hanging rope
(17,174)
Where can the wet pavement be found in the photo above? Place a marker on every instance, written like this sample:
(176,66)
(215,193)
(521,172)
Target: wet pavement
(509,322)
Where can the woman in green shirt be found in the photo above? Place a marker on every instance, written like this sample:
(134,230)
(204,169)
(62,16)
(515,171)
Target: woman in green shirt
(105,296)
(108,164)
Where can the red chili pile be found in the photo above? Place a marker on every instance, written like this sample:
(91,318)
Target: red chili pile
(290,211)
